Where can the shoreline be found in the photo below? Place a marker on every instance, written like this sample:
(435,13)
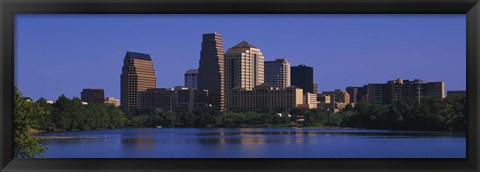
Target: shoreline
(35,132)
(65,137)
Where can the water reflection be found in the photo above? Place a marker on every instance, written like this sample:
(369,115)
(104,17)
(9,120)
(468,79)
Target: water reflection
(260,142)
(223,141)
(138,141)
(310,133)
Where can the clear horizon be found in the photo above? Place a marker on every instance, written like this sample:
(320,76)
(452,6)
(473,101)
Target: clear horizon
(63,54)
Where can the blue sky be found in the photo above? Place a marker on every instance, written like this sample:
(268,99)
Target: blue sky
(62,54)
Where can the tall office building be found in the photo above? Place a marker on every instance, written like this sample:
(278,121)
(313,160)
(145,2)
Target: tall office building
(211,69)
(191,78)
(277,73)
(93,95)
(302,76)
(244,66)
(137,75)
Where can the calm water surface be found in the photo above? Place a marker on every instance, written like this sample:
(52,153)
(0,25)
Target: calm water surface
(256,143)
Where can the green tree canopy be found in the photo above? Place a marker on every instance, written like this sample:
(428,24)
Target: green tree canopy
(27,116)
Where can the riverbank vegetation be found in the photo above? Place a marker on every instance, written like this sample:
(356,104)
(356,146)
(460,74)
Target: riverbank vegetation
(429,114)
(70,114)
(64,115)
(26,115)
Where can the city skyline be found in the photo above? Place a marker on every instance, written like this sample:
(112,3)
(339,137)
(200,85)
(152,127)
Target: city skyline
(348,68)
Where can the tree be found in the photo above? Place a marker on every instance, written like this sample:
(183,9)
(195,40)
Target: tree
(26,115)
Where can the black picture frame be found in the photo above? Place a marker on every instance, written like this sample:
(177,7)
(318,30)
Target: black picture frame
(9,8)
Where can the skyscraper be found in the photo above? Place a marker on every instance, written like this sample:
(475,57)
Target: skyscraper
(244,66)
(93,95)
(211,69)
(191,77)
(302,76)
(277,73)
(137,75)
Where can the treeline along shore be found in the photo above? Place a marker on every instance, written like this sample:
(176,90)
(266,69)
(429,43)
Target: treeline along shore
(427,115)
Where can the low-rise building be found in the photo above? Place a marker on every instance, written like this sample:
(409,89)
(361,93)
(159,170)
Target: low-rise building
(323,101)
(309,101)
(456,93)
(179,99)
(93,95)
(265,96)
(338,96)
(112,101)
(400,89)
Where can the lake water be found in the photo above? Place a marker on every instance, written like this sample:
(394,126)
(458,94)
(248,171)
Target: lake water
(256,143)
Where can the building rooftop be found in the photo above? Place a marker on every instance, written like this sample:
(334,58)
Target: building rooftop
(244,44)
(93,89)
(265,86)
(135,55)
(278,60)
(192,71)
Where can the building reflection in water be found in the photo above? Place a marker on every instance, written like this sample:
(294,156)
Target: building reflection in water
(139,141)
(255,137)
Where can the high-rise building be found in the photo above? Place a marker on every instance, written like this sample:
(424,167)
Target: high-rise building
(277,73)
(178,99)
(244,66)
(302,77)
(93,95)
(399,89)
(265,97)
(137,75)
(211,69)
(191,78)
